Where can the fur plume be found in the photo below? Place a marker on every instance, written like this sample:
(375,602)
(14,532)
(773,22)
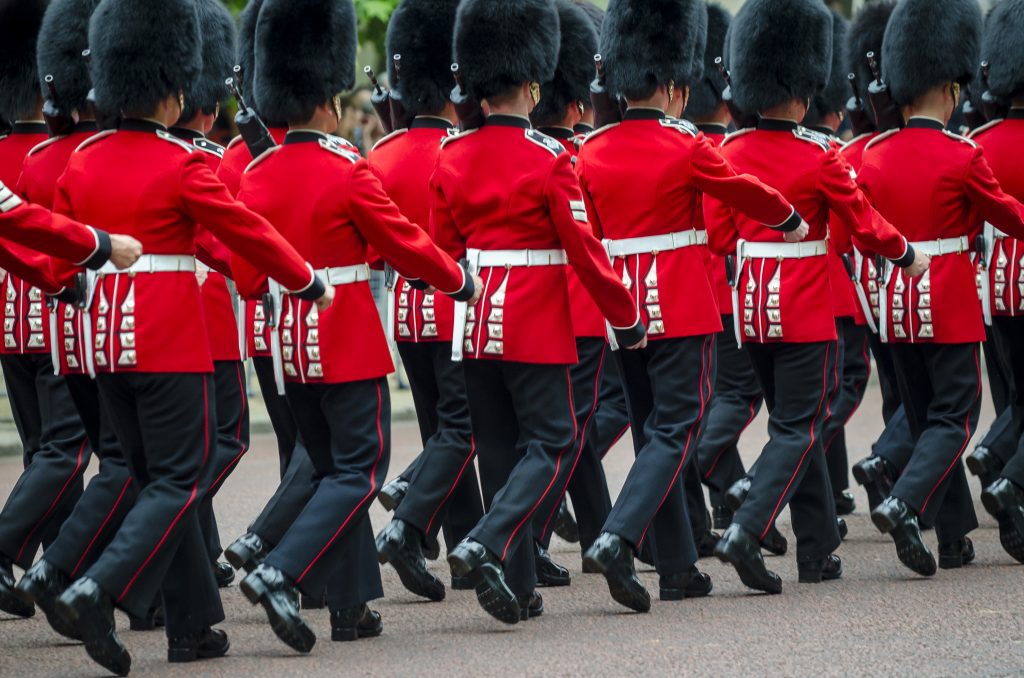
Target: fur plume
(20,21)
(422,32)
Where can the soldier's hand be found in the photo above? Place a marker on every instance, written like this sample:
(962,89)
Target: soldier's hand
(478,290)
(124,250)
(325,301)
(921,263)
(799,234)
(641,344)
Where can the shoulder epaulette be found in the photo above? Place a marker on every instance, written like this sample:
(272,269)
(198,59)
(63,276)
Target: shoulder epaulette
(456,137)
(167,136)
(599,131)
(984,128)
(737,134)
(544,141)
(94,138)
(812,137)
(40,146)
(333,147)
(234,142)
(881,137)
(212,147)
(343,143)
(263,156)
(684,126)
(394,135)
(854,140)
(965,140)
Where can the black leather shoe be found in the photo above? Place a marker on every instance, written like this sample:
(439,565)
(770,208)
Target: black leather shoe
(10,602)
(206,644)
(399,544)
(955,555)
(355,623)
(549,573)
(740,549)
(737,494)
(590,568)
(613,557)
(472,559)
(269,587)
(91,611)
(1005,502)
(894,517)
(817,571)
(706,544)
(775,542)
(721,517)
(565,525)
(983,463)
(531,606)
(154,619)
(247,552)
(845,503)
(690,584)
(462,584)
(224,574)
(42,585)
(392,494)
(877,476)
(843,528)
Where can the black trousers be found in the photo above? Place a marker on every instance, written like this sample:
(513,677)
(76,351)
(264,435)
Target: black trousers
(854,370)
(166,428)
(524,427)
(611,419)
(296,488)
(895,444)
(1010,331)
(668,387)
(56,454)
(798,382)
(347,432)
(281,418)
(941,392)
(443,486)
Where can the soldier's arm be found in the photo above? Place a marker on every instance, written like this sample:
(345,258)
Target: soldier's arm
(212,252)
(989,200)
(31,266)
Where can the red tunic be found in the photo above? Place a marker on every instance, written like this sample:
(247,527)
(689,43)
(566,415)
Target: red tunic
(530,200)
(864,263)
(932,184)
(327,202)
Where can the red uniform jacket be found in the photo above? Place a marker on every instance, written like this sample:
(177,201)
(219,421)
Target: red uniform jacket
(327,202)
(143,182)
(647,176)
(1003,141)
(864,263)
(789,300)
(716,263)
(932,184)
(404,162)
(529,200)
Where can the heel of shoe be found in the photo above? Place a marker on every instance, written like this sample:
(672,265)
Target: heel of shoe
(993,503)
(885,523)
(459,567)
(182,655)
(344,635)
(671,595)
(253,589)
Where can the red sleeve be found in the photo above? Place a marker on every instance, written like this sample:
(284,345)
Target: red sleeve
(588,200)
(31,266)
(988,199)
(212,252)
(38,228)
(854,216)
(721,227)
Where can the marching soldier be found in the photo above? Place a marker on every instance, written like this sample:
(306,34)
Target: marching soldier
(789,335)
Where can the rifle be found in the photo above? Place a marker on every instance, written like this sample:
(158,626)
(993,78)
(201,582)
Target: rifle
(400,116)
(859,118)
(742,119)
(254,133)
(470,112)
(606,108)
(58,122)
(993,108)
(382,102)
(887,112)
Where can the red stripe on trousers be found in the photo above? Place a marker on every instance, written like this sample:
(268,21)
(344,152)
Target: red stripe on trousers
(465,465)
(106,520)
(53,504)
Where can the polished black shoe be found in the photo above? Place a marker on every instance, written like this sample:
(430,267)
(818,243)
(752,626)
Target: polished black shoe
(877,477)
(843,528)
(355,623)
(531,606)
(42,585)
(894,517)
(392,494)
(817,571)
(690,584)
(565,524)
(775,542)
(223,573)
(845,503)
(462,584)
(154,619)
(1005,502)
(91,611)
(740,549)
(399,544)
(10,602)
(984,464)
(956,554)
(206,644)
(721,517)
(706,544)
(612,556)
(472,559)
(269,587)
(737,494)
(247,552)
(549,573)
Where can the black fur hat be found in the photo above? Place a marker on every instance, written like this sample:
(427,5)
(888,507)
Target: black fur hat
(246,58)
(594,13)
(305,55)
(62,39)
(706,93)
(19,82)
(575,67)
(502,43)
(422,32)
(217,27)
(695,72)
(1003,48)
(865,35)
(143,51)
(835,95)
(647,43)
(928,43)
(779,50)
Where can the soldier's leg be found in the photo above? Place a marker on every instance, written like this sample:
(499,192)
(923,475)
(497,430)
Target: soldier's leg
(20,382)
(281,418)
(611,419)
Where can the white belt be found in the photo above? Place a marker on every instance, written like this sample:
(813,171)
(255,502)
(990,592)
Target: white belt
(858,287)
(154,263)
(939,248)
(478,259)
(345,275)
(653,244)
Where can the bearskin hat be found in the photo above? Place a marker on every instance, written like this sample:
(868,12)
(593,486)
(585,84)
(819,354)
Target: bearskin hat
(218,34)
(305,55)
(502,43)
(594,13)
(63,37)
(20,21)
(1003,48)
(422,32)
(928,43)
(143,52)
(865,35)
(835,95)
(700,45)
(575,68)
(648,43)
(706,93)
(246,57)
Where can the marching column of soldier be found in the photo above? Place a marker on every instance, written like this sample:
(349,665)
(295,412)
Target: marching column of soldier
(664,247)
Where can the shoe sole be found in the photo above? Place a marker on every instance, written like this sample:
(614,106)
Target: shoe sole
(673,595)
(750,578)
(389,501)
(977,467)
(303,641)
(918,559)
(30,594)
(239,561)
(349,635)
(113,659)
(618,586)
(12,603)
(422,583)
(567,528)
